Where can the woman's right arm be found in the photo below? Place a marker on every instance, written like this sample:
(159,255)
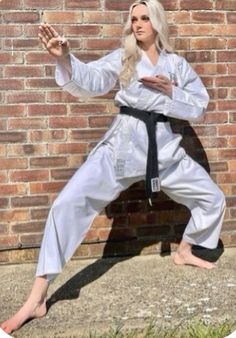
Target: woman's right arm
(78,78)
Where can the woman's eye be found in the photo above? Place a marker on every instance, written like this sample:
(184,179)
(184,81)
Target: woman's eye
(145,18)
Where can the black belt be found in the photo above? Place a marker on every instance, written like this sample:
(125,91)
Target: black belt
(150,119)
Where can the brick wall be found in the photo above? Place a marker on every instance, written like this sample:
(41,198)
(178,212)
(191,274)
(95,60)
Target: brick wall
(45,134)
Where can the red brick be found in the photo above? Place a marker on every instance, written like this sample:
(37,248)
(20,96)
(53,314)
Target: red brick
(121,5)
(7,84)
(216,118)
(227,105)
(68,148)
(48,162)
(13,163)
(208,43)
(22,44)
(50,187)
(68,122)
(224,30)
(39,58)
(26,149)
(14,215)
(32,239)
(231,17)
(226,4)
(29,175)
(62,16)
(108,44)
(11,110)
(47,109)
(46,136)
(25,97)
(29,17)
(204,56)
(12,189)
(40,83)
(226,81)
(39,213)
(3,202)
(12,137)
(82,30)
(208,17)
(84,135)
(231,43)
(100,121)
(27,227)
(62,174)
(8,58)
(82,4)
(29,201)
(182,17)
(13,4)
(102,17)
(27,123)
(39,4)
(195,30)
(10,30)
(227,56)
(200,4)
(88,109)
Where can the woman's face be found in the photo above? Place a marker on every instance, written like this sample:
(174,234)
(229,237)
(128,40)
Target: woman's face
(141,25)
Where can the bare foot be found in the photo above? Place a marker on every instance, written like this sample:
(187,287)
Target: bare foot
(187,258)
(28,311)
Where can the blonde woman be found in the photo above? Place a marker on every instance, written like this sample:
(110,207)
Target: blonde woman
(154,84)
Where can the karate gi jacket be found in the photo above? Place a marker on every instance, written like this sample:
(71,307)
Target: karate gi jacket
(127,135)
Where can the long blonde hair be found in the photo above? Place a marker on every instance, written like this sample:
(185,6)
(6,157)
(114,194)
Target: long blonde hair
(131,50)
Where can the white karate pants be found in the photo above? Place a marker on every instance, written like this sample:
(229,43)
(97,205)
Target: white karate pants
(94,186)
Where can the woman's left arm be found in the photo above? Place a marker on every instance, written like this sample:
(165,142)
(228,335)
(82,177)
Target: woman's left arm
(187,98)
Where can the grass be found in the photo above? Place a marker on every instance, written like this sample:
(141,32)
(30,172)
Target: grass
(194,330)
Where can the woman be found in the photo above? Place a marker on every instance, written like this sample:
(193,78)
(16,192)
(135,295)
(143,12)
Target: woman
(154,84)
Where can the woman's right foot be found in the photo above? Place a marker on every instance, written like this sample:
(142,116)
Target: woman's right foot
(28,311)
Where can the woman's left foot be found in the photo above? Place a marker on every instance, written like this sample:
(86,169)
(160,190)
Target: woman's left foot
(187,258)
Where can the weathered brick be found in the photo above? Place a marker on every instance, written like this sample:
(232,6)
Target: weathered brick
(8,58)
(12,137)
(208,17)
(24,71)
(47,109)
(227,56)
(12,110)
(68,122)
(43,162)
(25,97)
(69,148)
(27,227)
(82,4)
(231,17)
(39,4)
(102,44)
(23,17)
(195,30)
(226,4)
(82,30)
(13,163)
(62,174)
(39,188)
(12,189)
(29,175)
(200,4)
(208,43)
(47,136)
(10,30)
(7,84)
(100,17)
(13,4)
(94,134)
(27,123)
(100,121)
(29,201)
(62,16)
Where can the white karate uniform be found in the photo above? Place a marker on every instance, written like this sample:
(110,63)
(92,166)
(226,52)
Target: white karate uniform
(119,159)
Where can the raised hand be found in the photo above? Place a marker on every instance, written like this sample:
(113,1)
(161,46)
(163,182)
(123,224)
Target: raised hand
(52,41)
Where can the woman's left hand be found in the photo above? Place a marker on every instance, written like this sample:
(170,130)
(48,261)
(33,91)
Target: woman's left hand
(159,82)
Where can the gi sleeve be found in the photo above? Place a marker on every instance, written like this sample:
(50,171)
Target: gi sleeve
(90,79)
(189,98)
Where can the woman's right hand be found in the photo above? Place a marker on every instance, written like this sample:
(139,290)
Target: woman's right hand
(56,45)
